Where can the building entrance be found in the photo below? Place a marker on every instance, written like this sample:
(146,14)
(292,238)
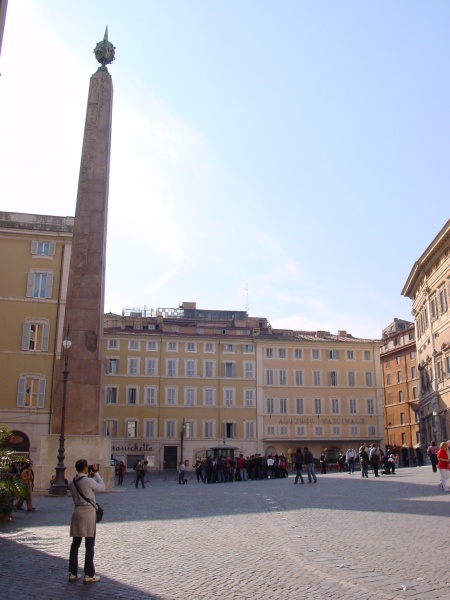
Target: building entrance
(170,458)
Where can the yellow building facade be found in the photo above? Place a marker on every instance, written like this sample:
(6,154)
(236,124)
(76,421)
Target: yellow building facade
(180,382)
(33,269)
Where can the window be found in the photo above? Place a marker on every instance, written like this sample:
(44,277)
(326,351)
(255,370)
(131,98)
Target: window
(351,379)
(111,395)
(368,379)
(316,378)
(332,378)
(371,430)
(398,360)
(110,428)
(208,368)
(149,428)
(318,431)
(442,300)
(283,406)
(282,376)
(300,430)
(333,355)
(281,352)
(414,392)
(191,368)
(298,353)
(335,406)
(229,430)
(413,373)
(151,366)
(399,376)
(269,352)
(228,348)
(299,406)
(269,405)
(433,308)
(112,366)
(132,395)
(228,369)
(249,429)
(189,429)
(367,355)
(283,430)
(336,430)
(189,396)
(152,346)
(171,367)
(175,328)
(43,248)
(133,366)
(150,395)
(113,344)
(170,427)
(131,429)
(270,430)
(248,348)
(171,396)
(208,396)
(208,429)
(315,354)
(31,392)
(248,370)
(35,336)
(248,398)
(350,355)
(354,430)
(298,377)
(402,418)
(269,377)
(403,439)
(400,396)
(133,344)
(39,284)
(412,355)
(191,347)
(318,406)
(172,346)
(370,406)
(228,397)
(208,347)
(352,405)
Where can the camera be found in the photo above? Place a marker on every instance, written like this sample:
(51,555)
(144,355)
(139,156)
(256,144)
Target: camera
(93,468)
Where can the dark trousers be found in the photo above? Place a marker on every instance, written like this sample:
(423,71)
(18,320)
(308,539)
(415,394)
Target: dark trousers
(140,477)
(89,568)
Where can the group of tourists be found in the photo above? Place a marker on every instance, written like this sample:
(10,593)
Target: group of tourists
(225,469)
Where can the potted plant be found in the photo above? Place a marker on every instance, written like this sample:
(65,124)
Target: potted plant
(10,487)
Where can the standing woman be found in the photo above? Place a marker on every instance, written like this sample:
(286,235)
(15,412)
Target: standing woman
(432,455)
(442,466)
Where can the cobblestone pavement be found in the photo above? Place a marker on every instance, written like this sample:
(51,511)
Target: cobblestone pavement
(342,538)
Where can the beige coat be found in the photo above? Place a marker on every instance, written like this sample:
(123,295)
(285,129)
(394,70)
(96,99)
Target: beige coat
(84,515)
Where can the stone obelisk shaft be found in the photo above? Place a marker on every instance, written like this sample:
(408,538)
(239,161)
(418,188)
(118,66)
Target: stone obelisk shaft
(85,294)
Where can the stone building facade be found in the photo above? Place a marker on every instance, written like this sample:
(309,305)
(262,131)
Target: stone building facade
(428,286)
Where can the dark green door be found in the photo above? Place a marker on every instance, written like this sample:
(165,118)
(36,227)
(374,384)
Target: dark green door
(170,457)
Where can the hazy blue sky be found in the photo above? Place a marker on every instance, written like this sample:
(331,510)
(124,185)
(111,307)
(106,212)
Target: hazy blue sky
(297,149)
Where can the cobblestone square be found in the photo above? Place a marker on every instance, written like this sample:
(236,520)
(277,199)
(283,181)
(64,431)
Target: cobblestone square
(342,538)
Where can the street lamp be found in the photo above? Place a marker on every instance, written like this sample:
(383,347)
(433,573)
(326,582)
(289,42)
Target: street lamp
(59,487)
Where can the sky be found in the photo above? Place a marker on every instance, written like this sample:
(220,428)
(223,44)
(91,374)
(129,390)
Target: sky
(287,158)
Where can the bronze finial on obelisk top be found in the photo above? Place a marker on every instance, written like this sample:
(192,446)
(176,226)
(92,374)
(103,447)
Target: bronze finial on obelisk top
(104,51)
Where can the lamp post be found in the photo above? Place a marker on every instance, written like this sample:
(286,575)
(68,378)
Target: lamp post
(59,487)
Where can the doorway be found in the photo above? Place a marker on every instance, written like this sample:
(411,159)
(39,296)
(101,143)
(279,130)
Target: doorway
(170,458)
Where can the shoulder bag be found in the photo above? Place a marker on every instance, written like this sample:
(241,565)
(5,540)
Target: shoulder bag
(96,505)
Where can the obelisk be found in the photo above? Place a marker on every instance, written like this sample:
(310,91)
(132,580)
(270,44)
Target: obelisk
(83,322)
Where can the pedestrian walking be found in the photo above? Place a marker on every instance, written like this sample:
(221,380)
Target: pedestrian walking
(83,523)
(364,460)
(375,459)
(27,476)
(298,463)
(182,473)
(309,462)
(443,466)
(432,455)
(122,469)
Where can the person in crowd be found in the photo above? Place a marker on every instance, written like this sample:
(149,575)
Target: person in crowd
(443,466)
(198,466)
(309,462)
(350,457)
(141,472)
(182,473)
(432,455)
(121,470)
(83,523)
(27,476)
(270,469)
(364,460)
(323,463)
(298,463)
(375,459)
(341,462)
